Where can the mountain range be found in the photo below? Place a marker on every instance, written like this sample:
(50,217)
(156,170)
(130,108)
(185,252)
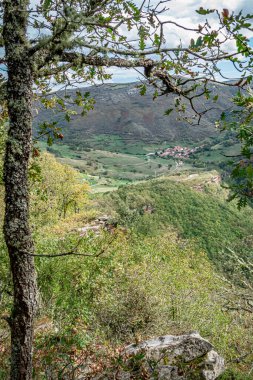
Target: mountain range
(121,111)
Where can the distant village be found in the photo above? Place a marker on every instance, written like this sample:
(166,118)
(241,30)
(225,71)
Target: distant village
(178,152)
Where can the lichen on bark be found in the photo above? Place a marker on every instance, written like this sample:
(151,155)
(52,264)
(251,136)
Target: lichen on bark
(16,224)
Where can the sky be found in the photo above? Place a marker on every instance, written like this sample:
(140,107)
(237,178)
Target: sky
(184,13)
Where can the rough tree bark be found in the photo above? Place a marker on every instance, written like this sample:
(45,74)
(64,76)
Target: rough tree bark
(16,227)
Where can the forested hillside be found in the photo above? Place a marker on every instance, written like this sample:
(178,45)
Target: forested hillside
(122,113)
(123,117)
(192,204)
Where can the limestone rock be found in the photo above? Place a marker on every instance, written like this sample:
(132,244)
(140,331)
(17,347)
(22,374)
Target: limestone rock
(184,357)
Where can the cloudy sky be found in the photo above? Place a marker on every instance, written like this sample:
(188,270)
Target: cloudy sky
(184,13)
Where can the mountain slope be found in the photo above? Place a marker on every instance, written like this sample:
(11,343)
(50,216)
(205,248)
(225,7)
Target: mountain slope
(121,111)
(204,216)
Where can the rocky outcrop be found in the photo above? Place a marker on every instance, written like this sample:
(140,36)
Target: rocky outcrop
(184,357)
(97,226)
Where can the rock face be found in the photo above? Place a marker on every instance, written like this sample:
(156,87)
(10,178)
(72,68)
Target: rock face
(184,357)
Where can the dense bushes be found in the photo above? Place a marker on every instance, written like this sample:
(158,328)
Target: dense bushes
(136,289)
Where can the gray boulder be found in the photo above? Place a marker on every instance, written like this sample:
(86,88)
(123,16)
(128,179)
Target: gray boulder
(183,357)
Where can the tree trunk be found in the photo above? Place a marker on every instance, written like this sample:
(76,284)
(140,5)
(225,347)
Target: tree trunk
(16,226)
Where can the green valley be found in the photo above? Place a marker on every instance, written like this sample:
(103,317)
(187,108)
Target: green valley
(115,144)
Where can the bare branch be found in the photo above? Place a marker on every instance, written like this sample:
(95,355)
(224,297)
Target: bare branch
(64,254)
(73,252)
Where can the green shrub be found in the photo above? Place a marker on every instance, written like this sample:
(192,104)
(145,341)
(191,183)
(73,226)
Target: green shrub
(235,375)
